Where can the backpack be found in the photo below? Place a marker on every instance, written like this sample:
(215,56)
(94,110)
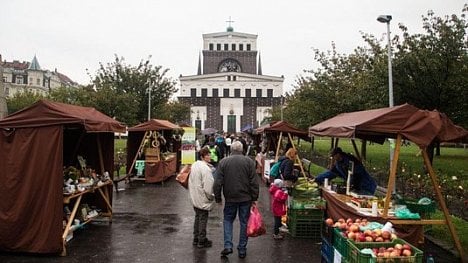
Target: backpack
(275,170)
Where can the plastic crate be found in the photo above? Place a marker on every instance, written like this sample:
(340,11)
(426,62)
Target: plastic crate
(305,229)
(310,214)
(355,255)
(340,243)
(327,251)
(424,210)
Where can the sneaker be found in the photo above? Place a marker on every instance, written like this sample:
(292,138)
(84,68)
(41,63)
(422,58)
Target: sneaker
(278,237)
(207,243)
(284,229)
(226,252)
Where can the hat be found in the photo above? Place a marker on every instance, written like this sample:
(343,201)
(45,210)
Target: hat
(278,183)
(336,151)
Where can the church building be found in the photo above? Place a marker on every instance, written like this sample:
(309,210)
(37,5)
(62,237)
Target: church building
(229,92)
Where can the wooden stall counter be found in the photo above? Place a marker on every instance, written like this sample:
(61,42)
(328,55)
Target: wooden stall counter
(100,191)
(159,171)
(409,230)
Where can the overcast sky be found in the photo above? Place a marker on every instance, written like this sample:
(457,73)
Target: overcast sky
(73,36)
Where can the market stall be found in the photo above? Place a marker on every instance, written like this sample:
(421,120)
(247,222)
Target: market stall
(145,146)
(37,143)
(273,134)
(399,122)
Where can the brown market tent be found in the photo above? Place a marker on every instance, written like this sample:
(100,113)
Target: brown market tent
(137,135)
(400,122)
(37,142)
(277,128)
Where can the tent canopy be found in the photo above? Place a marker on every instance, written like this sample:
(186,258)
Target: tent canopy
(419,126)
(155,125)
(49,113)
(283,126)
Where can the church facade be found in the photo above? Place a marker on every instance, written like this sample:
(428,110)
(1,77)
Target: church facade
(229,92)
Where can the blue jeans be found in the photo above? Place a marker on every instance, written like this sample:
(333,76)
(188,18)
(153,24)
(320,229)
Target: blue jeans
(230,211)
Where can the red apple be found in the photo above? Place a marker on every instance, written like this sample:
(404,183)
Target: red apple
(378,239)
(341,220)
(406,246)
(378,232)
(351,235)
(349,220)
(382,249)
(380,254)
(362,237)
(397,252)
(390,249)
(368,232)
(357,220)
(406,252)
(399,246)
(337,224)
(393,254)
(369,239)
(343,226)
(329,222)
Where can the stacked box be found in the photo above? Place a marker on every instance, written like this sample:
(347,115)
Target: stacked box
(340,243)
(356,256)
(327,251)
(305,223)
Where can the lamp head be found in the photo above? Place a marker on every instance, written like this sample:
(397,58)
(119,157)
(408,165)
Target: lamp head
(384,18)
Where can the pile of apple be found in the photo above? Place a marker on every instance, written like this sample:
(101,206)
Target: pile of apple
(399,250)
(350,229)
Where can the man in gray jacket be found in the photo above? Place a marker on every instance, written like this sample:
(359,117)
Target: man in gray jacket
(236,178)
(200,188)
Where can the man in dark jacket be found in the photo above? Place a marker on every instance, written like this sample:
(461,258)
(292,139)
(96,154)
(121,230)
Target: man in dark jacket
(236,178)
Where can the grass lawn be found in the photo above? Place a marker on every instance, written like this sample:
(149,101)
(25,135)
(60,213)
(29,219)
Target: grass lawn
(451,168)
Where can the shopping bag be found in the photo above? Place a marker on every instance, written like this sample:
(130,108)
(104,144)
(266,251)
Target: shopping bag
(255,225)
(183,176)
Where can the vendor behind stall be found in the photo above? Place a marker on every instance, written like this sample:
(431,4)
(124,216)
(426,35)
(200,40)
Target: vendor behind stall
(361,181)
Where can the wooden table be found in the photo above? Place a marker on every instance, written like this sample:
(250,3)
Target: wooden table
(409,230)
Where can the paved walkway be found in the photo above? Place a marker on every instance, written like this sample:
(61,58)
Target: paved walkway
(153,223)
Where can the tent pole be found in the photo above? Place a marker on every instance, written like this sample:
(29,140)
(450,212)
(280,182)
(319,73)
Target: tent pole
(392,176)
(356,149)
(278,146)
(136,155)
(297,156)
(442,204)
(101,160)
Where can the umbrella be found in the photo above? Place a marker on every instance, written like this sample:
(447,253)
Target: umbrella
(208,131)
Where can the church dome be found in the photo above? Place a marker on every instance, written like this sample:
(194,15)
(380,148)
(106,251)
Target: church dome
(230,29)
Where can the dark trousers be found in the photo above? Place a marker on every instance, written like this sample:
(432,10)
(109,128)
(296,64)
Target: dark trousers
(199,226)
(277,224)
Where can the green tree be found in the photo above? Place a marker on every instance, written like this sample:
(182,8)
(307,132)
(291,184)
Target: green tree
(431,69)
(135,81)
(21,100)
(177,112)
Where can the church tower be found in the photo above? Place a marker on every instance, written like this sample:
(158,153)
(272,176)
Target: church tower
(229,91)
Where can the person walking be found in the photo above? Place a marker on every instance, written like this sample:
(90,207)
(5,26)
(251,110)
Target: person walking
(200,188)
(236,179)
(278,205)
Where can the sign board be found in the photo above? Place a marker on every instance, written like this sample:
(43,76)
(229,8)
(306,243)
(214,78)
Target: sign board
(188,145)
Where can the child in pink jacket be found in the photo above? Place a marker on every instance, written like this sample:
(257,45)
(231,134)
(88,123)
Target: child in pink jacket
(278,205)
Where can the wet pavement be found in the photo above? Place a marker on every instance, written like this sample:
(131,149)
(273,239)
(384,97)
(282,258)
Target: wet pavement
(153,223)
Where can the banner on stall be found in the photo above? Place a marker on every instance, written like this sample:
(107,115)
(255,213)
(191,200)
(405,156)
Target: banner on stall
(188,145)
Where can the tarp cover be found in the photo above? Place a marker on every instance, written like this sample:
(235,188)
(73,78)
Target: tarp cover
(155,125)
(36,143)
(419,126)
(47,113)
(285,127)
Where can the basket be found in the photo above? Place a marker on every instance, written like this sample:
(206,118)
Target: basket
(305,229)
(306,214)
(356,256)
(340,243)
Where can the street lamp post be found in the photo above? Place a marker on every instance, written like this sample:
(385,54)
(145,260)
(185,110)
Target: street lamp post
(386,19)
(149,99)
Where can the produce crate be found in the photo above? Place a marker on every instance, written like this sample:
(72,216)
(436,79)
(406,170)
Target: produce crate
(315,192)
(307,203)
(356,256)
(326,249)
(340,243)
(306,214)
(305,229)
(424,210)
